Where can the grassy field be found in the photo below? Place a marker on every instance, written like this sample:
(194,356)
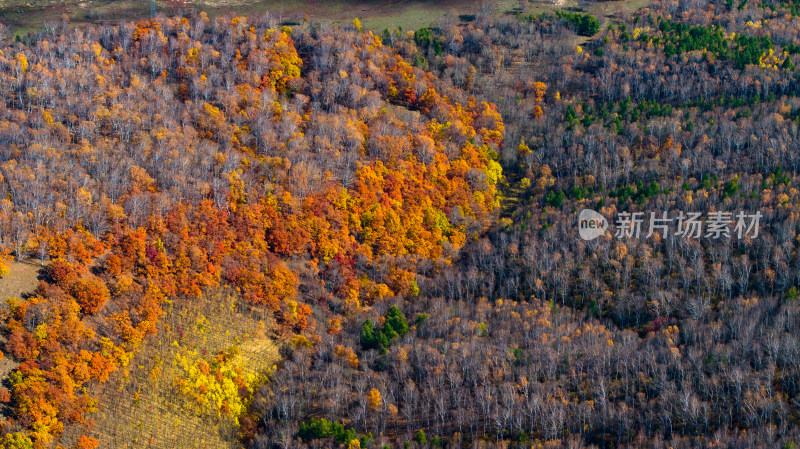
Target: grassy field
(29,15)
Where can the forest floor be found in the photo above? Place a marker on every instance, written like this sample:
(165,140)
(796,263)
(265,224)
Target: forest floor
(30,15)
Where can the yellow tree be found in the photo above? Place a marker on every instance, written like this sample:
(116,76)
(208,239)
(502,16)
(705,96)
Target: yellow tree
(375,400)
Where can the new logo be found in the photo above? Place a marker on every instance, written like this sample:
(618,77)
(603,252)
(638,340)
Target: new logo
(591,224)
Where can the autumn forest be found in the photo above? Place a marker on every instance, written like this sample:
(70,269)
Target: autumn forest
(254,232)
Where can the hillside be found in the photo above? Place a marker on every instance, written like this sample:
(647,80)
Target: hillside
(269,233)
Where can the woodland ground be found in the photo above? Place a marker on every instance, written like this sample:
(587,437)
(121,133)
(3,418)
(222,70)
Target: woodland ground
(29,15)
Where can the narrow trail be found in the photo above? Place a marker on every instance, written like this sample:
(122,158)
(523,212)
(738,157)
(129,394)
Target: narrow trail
(510,194)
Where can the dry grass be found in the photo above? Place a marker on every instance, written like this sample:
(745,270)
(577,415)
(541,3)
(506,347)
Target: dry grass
(605,11)
(28,15)
(22,278)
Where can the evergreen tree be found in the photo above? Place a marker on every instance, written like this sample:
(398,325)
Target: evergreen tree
(396,324)
(368,338)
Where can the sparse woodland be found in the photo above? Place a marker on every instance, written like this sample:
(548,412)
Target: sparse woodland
(318,236)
